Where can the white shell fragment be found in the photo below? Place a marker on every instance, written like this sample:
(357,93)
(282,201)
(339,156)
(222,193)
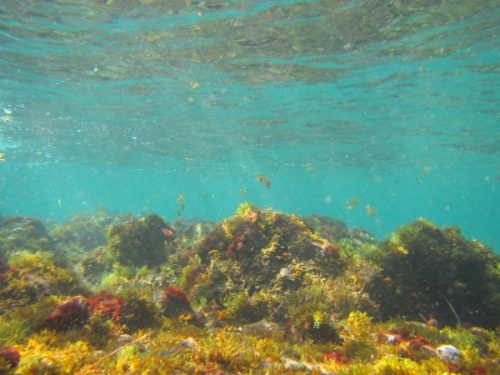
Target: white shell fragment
(449,354)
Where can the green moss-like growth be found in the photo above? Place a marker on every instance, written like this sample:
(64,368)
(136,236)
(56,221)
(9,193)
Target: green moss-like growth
(139,242)
(429,272)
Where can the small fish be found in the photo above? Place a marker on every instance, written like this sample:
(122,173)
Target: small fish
(180,204)
(353,202)
(370,210)
(426,171)
(264,180)
(260,326)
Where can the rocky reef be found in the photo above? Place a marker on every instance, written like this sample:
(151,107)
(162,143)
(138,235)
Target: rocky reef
(261,291)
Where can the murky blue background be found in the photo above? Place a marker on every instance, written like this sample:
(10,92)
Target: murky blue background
(128,105)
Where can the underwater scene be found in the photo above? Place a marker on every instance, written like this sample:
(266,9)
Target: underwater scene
(249,187)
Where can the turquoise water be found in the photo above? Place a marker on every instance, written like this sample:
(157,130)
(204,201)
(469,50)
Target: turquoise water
(129,105)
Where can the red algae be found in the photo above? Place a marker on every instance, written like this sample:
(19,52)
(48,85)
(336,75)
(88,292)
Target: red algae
(175,293)
(175,302)
(106,303)
(74,312)
(10,357)
(338,356)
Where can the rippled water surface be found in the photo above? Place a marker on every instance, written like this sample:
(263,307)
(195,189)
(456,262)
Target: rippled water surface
(136,105)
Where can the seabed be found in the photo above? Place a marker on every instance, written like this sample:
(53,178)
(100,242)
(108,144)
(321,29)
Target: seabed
(261,292)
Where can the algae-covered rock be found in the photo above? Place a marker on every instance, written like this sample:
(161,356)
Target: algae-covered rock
(262,242)
(83,233)
(139,310)
(431,273)
(251,263)
(32,276)
(70,313)
(23,233)
(261,264)
(190,234)
(331,229)
(139,242)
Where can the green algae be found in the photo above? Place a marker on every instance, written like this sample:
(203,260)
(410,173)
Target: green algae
(138,242)
(454,280)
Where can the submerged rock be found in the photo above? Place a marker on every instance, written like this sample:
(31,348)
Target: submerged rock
(428,272)
(26,233)
(83,233)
